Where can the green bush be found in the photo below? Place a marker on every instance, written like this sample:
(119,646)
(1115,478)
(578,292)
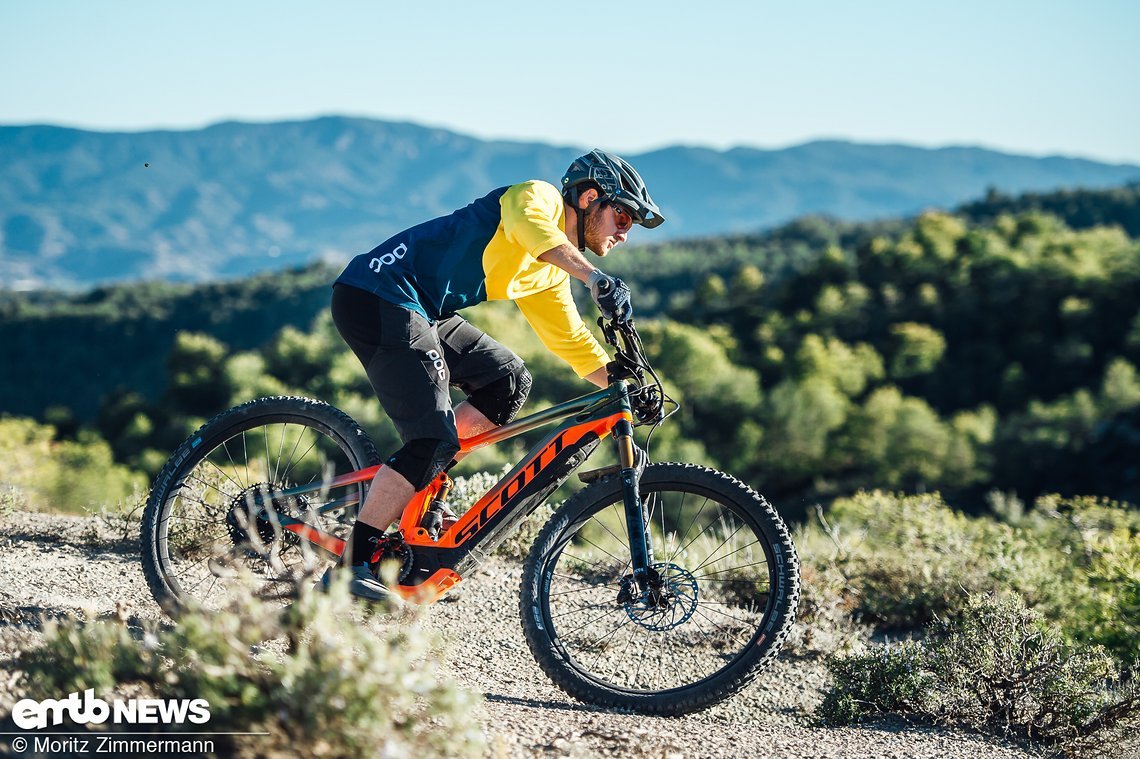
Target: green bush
(884,680)
(910,560)
(905,557)
(1093,589)
(317,685)
(37,471)
(825,619)
(999,669)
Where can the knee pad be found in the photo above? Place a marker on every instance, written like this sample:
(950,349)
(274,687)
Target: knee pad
(501,400)
(420,461)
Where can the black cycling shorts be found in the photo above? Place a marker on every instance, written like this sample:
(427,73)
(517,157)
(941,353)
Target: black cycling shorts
(411,362)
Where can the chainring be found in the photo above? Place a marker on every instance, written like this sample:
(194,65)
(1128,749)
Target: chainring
(391,548)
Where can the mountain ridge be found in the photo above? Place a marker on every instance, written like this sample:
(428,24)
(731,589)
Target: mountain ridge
(80,207)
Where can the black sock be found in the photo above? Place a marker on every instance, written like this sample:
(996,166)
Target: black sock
(362,543)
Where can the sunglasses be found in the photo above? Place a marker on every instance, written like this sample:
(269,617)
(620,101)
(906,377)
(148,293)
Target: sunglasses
(622,217)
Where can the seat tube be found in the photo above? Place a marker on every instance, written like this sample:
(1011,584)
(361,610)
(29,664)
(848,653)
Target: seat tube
(634,517)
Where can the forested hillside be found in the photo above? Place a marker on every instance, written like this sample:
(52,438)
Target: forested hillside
(968,352)
(1080,209)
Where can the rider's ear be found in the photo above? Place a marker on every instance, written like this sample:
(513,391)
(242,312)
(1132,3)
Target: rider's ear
(587,197)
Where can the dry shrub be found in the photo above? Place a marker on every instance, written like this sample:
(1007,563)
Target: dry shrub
(321,676)
(998,668)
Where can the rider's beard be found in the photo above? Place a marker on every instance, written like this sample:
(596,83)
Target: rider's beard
(595,221)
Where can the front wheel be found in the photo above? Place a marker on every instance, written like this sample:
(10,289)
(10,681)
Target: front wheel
(722,597)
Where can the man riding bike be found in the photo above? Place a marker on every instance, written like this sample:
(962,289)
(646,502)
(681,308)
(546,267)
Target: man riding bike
(396,308)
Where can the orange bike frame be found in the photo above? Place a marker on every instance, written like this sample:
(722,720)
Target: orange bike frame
(438,565)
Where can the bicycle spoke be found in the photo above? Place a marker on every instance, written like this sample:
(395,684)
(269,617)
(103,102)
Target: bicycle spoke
(602,568)
(585,624)
(222,472)
(581,590)
(713,622)
(200,502)
(225,447)
(280,450)
(722,545)
(708,563)
(620,540)
(245,455)
(598,642)
(585,607)
(607,553)
(293,461)
(732,569)
(698,535)
(576,578)
(640,660)
(268,458)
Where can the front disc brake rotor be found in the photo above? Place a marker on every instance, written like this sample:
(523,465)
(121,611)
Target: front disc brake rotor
(666,603)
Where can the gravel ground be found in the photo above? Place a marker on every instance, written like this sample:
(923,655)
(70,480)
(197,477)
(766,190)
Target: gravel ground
(55,565)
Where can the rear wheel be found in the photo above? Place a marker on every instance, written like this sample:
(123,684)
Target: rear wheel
(721,598)
(205,523)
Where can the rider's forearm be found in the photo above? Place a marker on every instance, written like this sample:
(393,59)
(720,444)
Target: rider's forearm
(600,377)
(569,259)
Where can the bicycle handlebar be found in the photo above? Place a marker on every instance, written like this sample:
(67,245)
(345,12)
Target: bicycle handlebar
(630,362)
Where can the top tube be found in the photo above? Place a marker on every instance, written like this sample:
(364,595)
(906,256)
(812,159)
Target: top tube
(602,397)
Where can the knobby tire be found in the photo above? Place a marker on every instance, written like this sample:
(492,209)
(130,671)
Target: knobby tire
(732,593)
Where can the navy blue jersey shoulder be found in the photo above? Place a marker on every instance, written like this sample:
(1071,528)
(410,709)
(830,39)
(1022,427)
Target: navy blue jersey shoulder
(435,268)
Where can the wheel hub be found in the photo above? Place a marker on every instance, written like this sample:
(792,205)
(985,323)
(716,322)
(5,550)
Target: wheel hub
(668,600)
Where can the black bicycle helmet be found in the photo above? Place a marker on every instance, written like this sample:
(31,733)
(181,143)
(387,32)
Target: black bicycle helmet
(618,182)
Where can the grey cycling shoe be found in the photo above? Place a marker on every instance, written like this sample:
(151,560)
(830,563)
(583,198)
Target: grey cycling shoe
(361,584)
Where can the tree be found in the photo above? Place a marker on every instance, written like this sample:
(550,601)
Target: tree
(198,383)
(918,349)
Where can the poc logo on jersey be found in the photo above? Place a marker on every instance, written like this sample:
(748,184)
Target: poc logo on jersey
(388,259)
(437,364)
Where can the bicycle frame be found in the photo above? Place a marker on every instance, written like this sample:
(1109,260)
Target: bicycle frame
(438,565)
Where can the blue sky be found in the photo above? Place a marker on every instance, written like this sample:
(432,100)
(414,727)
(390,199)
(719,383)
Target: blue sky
(1030,77)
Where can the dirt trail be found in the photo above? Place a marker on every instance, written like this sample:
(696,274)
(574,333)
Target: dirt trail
(55,565)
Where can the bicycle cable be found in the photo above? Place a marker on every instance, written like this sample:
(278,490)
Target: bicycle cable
(659,414)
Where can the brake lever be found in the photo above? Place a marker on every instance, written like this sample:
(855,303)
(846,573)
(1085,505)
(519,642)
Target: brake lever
(608,332)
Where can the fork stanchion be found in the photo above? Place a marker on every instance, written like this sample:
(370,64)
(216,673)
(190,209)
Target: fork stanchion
(634,518)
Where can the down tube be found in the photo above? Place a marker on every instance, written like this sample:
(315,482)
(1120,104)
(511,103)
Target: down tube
(498,513)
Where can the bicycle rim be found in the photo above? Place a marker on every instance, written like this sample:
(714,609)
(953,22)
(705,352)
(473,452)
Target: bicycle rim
(715,596)
(209,535)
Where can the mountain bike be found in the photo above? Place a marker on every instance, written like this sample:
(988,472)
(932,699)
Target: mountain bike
(661,588)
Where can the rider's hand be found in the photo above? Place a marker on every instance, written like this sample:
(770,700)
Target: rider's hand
(611,296)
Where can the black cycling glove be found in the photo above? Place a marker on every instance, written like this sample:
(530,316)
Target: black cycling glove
(611,296)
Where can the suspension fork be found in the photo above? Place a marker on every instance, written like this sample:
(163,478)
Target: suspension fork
(640,546)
